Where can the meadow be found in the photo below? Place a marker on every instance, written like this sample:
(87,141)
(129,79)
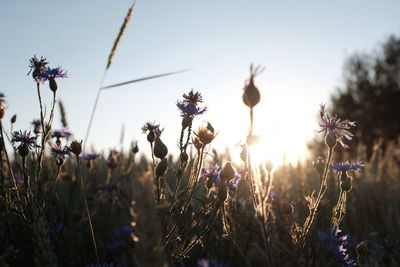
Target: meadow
(63,206)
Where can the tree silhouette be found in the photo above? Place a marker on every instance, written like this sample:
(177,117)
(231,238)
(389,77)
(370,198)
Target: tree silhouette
(371,94)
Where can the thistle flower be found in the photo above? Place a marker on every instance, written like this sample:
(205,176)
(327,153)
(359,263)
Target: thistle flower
(346,166)
(25,139)
(335,129)
(189,110)
(51,74)
(205,135)
(38,66)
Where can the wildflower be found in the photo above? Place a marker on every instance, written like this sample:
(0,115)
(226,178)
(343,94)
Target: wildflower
(26,141)
(63,133)
(76,147)
(205,135)
(189,110)
(37,126)
(336,244)
(51,74)
(89,156)
(123,230)
(197,144)
(346,166)
(212,176)
(160,149)
(251,95)
(193,98)
(151,129)
(335,129)
(38,66)
(233,184)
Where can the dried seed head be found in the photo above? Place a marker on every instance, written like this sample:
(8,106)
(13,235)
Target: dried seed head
(112,161)
(243,153)
(209,182)
(197,144)
(160,149)
(205,135)
(76,147)
(227,173)
(161,167)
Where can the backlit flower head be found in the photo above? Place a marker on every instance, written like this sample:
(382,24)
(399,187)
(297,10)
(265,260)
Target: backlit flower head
(346,166)
(153,130)
(53,73)
(189,110)
(212,174)
(334,128)
(193,98)
(60,151)
(24,138)
(38,66)
(205,135)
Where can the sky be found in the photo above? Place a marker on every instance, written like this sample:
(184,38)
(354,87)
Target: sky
(302,45)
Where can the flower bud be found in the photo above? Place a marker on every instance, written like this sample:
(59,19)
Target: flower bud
(52,84)
(227,173)
(251,95)
(151,136)
(13,119)
(161,167)
(76,147)
(160,149)
(345,184)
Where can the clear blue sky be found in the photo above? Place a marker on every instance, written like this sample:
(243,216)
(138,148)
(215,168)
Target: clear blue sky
(302,44)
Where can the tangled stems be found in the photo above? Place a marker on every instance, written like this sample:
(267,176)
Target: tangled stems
(79,175)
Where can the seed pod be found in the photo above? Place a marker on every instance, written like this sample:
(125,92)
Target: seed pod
(151,136)
(345,185)
(76,147)
(59,161)
(160,149)
(227,173)
(161,167)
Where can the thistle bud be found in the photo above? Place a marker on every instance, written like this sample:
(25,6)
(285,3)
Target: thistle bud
(76,147)
(227,173)
(52,84)
(23,150)
(13,119)
(151,136)
(345,184)
(162,167)
(251,95)
(160,149)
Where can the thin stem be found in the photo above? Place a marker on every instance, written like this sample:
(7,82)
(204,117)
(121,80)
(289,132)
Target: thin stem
(79,175)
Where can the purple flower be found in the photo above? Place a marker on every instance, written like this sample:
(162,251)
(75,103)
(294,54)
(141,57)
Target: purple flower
(336,244)
(24,138)
(60,151)
(335,128)
(189,110)
(346,166)
(89,156)
(61,133)
(38,67)
(233,184)
(209,263)
(212,174)
(50,73)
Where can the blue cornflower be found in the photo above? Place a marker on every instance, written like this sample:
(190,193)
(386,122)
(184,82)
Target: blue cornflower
(212,174)
(123,230)
(50,73)
(233,184)
(335,128)
(336,244)
(346,166)
(38,66)
(89,156)
(116,245)
(189,110)
(60,151)
(61,133)
(25,139)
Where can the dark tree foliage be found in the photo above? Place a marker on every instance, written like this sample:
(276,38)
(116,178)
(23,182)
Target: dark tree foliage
(371,94)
